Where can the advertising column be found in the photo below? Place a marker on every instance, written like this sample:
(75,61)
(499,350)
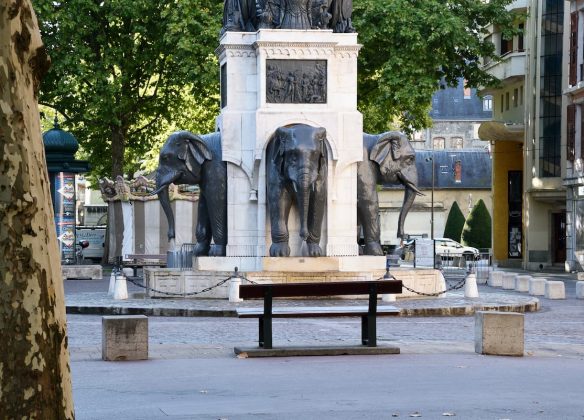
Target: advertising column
(65,215)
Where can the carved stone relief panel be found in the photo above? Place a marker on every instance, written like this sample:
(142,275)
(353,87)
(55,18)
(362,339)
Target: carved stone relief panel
(296,81)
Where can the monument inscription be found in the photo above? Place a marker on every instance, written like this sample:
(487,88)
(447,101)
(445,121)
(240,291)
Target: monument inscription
(296,81)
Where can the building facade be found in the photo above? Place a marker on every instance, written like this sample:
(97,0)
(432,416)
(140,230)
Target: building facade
(573,84)
(526,133)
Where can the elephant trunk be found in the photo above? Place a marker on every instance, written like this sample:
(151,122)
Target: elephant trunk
(303,199)
(164,197)
(410,181)
(409,196)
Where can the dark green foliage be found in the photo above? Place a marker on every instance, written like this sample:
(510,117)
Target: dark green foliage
(411,48)
(454,223)
(122,70)
(477,229)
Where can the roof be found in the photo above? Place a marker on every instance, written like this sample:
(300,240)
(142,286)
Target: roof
(472,165)
(451,104)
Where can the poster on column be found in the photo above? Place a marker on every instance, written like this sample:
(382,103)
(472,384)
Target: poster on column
(65,215)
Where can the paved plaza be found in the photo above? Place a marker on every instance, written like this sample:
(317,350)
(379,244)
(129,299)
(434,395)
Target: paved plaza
(192,372)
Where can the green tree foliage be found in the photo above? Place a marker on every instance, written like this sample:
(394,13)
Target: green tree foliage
(454,223)
(124,70)
(411,48)
(477,229)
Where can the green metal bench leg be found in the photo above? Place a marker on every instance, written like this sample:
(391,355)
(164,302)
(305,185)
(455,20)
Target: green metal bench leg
(261,332)
(364,330)
(372,317)
(267,319)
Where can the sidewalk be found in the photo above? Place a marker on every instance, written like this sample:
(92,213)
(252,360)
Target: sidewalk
(90,297)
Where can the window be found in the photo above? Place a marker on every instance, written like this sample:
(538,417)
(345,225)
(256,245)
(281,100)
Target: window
(506,46)
(458,171)
(488,103)
(457,142)
(550,90)
(520,46)
(502,102)
(515,97)
(521,95)
(506,101)
(467,91)
(439,143)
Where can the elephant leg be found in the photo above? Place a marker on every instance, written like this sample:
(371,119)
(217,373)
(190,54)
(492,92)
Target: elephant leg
(315,218)
(280,202)
(203,230)
(368,214)
(217,209)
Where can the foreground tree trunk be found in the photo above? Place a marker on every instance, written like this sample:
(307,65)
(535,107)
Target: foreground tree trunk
(34,361)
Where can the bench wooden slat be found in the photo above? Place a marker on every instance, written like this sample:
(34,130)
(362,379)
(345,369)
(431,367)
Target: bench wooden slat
(316,311)
(333,288)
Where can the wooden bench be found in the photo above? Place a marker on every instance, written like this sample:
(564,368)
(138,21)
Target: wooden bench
(368,313)
(136,261)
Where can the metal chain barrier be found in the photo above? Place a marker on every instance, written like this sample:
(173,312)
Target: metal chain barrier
(222,282)
(457,286)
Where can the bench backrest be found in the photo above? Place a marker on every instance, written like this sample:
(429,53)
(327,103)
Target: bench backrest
(335,288)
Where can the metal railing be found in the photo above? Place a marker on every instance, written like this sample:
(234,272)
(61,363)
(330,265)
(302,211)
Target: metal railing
(457,266)
(183,258)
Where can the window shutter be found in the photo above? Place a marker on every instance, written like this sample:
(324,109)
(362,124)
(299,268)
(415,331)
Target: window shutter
(573,49)
(571,135)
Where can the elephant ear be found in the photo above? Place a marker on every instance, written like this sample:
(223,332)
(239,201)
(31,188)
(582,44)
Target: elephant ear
(321,136)
(282,144)
(390,141)
(194,152)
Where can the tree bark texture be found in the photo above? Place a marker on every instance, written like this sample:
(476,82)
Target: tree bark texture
(35,380)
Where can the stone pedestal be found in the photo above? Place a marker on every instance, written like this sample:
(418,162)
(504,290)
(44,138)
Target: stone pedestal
(250,116)
(537,286)
(580,290)
(499,333)
(522,283)
(555,290)
(495,279)
(124,337)
(508,281)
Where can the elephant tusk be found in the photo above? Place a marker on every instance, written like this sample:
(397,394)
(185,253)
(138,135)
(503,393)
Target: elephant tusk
(166,184)
(408,184)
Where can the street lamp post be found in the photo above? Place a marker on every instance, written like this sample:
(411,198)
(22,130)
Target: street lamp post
(431,159)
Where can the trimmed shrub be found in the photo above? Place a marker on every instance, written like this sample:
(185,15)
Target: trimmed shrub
(454,223)
(477,229)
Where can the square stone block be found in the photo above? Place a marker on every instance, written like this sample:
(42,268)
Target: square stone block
(499,333)
(509,281)
(537,287)
(124,337)
(522,283)
(580,290)
(555,290)
(495,279)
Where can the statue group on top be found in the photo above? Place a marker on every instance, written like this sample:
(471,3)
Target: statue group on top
(251,15)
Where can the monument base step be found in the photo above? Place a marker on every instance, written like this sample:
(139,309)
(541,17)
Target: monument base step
(92,272)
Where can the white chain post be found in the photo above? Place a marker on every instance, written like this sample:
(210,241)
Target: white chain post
(470,286)
(112,283)
(121,287)
(234,284)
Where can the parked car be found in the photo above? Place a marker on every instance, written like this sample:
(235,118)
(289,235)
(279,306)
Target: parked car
(446,247)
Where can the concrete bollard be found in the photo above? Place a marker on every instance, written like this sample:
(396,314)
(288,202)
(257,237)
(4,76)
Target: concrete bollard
(555,290)
(522,283)
(121,288)
(537,286)
(124,337)
(470,286)
(234,284)
(499,333)
(580,290)
(495,279)
(388,297)
(509,281)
